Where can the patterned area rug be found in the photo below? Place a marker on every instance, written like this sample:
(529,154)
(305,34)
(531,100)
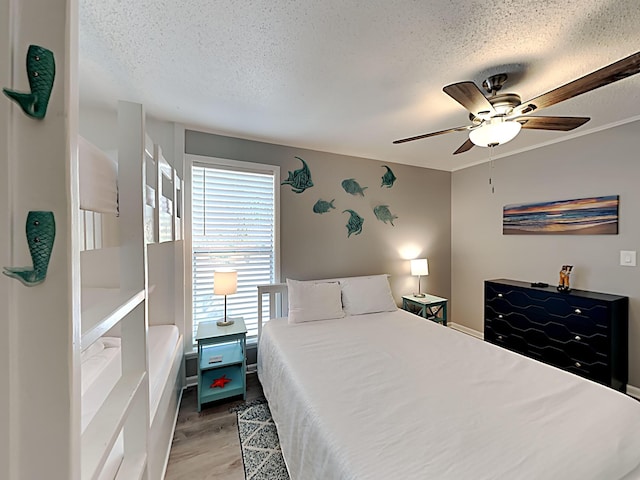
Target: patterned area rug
(261,452)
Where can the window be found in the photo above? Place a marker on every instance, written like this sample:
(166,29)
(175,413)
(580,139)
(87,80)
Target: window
(234,224)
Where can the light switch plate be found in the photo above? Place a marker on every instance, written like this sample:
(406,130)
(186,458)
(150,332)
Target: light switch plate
(628,258)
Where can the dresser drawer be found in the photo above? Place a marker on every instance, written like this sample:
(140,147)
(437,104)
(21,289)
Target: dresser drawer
(594,367)
(540,305)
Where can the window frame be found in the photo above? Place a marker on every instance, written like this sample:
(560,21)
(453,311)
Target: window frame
(239,165)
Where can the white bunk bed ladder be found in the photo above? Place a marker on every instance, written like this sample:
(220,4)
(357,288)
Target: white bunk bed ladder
(126,409)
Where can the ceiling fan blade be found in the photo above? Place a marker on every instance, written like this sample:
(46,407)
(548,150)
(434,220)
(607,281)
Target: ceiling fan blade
(433,134)
(552,123)
(465,147)
(470,97)
(611,73)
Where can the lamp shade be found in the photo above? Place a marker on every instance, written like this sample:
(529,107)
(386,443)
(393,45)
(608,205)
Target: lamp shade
(225,282)
(494,131)
(419,266)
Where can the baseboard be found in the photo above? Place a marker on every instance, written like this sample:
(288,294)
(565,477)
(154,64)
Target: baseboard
(191,381)
(467,330)
(633,391)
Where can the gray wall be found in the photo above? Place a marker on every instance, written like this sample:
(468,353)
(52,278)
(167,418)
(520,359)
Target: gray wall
(316,246)
(603,163)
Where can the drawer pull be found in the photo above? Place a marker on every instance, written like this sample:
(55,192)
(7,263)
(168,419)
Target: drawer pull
(578,364)
(499,316)
(499,337)
(500,295)
(578,311)
(578,338)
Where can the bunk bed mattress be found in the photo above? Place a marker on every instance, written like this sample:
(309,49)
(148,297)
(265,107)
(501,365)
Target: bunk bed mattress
(101,370)
(391,395)
(162,340)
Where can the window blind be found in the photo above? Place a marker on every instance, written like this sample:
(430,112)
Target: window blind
(233,226)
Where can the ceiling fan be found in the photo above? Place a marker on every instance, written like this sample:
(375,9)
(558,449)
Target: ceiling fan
(498,118)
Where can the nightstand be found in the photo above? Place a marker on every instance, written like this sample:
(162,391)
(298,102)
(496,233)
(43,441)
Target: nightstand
(430,307)
(221,352)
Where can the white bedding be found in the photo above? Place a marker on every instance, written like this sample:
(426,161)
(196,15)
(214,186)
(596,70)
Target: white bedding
(161,343)
(393,396)
(102,368)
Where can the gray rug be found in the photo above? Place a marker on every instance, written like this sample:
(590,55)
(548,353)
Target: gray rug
(261,452)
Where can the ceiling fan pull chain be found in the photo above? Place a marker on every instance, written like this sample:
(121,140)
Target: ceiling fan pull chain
(493,190)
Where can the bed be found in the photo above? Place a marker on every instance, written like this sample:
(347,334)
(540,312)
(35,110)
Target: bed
(391,395)
(102,368)
(131,302)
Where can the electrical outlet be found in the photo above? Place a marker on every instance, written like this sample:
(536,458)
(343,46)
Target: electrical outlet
(628,258)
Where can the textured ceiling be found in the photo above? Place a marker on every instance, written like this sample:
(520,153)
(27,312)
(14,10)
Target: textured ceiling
(350,76)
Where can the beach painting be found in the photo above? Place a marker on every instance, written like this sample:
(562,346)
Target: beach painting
(584,216)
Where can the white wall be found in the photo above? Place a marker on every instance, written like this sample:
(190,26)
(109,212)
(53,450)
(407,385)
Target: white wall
(603,163)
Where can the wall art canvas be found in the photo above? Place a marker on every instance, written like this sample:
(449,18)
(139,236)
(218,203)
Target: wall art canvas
(583,216)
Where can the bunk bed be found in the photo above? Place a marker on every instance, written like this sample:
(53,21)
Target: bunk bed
(132,323)
(382,393)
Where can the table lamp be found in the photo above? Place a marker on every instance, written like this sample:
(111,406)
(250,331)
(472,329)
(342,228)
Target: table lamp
(419,267)
(225,282)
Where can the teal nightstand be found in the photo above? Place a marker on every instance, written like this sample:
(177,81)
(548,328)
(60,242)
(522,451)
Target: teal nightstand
(221,351)
(430,307)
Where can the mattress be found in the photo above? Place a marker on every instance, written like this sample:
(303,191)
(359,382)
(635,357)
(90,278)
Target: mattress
(102,368)
(392,395)
(161,344)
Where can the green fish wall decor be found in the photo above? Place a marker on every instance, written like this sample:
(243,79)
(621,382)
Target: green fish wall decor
(41,69)
(383,214)
(41,232)
(354,225)
(322,206)
(352,187)
(299,179)
(388,178)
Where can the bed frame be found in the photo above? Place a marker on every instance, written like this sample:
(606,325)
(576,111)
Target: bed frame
(126,287)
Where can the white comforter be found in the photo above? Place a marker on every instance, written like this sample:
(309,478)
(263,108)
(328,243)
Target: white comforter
(392,396)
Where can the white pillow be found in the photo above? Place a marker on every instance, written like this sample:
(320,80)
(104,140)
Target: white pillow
(310,301)
(362,295)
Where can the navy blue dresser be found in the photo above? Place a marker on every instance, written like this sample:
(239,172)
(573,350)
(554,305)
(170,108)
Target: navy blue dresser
(583,332)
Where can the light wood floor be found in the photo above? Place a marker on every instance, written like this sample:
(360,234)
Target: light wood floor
(206,444)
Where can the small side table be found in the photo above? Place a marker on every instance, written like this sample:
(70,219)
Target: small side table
(221,351)
(430,307)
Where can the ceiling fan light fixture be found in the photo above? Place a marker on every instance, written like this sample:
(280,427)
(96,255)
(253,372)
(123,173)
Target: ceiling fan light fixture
(495,131)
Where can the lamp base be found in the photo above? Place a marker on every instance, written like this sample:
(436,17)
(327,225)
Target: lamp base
(419,295)
(225,323)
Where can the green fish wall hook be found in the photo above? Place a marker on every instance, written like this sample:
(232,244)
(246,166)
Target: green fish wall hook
(41,232)
(41,68)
